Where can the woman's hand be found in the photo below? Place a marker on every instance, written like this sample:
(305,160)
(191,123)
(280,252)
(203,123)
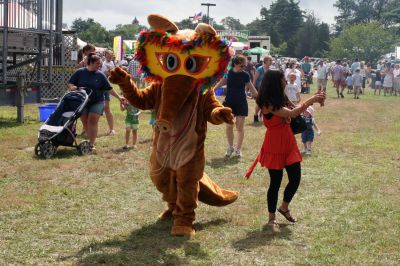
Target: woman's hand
(318,97)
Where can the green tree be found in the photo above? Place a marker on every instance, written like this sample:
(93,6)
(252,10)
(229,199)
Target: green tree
(282,21)
(186,24)
(353,12)
(366,41)
(127,31)
(92,32)
(231,23)
(312,38)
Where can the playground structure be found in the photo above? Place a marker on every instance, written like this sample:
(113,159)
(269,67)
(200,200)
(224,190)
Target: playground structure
(36,56)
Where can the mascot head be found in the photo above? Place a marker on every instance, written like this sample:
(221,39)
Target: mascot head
(165,51)
(185,62)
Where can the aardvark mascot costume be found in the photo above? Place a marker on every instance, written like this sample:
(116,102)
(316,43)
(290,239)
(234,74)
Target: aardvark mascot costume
(182,65)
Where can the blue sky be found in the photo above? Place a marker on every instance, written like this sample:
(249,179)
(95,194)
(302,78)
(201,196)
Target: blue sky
(111,13)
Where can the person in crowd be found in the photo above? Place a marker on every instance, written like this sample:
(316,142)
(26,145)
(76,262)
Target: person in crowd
(279,150)
(258,77)
(107,66)
(306,72)
(96,82)
(355,65)
(388,81)
(131,124)
(322,75)
(237,81)
(357,83)
(337,78)
(378,81)
(363,74)
(133,70)
(86,50)
(396,79)
(307,136)
(349,83)
(292,90)
(250,69)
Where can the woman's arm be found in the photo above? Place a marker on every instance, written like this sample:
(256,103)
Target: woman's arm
(250,86)
(219,84)
(286,112)
(121,99)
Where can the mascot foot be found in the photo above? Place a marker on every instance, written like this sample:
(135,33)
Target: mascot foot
(167,214)
(181,230)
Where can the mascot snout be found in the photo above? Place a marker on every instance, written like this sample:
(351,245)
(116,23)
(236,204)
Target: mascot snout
(175,92)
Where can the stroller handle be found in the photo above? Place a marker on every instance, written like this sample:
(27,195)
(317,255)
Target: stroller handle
(86,89)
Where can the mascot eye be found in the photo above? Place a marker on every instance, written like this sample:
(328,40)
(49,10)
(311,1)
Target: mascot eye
(195,64)
(170,62)
(191,64)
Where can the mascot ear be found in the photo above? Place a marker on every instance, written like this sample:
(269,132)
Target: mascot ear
(205,28)
(159,22)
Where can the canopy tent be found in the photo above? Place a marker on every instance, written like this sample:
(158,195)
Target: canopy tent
(257,51)
(81,44)
(239,46)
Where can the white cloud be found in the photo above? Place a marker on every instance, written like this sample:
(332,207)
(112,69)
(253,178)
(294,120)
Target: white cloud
(111,13)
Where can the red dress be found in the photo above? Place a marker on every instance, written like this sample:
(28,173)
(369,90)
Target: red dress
(279,148)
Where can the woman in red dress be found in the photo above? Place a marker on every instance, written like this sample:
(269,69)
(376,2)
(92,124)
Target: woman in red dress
(279,150)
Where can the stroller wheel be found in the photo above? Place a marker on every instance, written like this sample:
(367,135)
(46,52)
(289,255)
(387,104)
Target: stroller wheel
(47,149)
(84,147)
(37,150)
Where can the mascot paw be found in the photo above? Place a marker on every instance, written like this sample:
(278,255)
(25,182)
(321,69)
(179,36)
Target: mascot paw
(181,230)
(167,214)
(119,76)
(222,114)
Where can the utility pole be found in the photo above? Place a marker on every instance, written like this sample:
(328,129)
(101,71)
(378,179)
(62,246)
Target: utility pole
(208,10)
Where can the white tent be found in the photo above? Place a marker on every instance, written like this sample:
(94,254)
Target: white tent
(239,45)
(83,43)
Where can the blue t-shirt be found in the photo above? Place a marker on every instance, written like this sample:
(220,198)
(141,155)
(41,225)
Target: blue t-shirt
(235,93)
(96,81)
(260,71)
(306,67)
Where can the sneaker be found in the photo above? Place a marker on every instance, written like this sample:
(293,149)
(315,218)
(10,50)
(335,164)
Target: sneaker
(238,153)
(111,133)
(341,95)
(308,152)
(229,151)
(126,147)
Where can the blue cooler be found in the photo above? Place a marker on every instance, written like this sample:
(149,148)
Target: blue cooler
(219,92)
(46,110)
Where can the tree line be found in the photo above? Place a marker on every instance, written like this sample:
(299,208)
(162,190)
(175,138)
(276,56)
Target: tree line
(362,29)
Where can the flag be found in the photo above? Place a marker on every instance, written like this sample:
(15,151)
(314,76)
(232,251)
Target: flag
(197,17)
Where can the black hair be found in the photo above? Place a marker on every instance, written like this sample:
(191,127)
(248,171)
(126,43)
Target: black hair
(92,58)
(271,92)
(88,47)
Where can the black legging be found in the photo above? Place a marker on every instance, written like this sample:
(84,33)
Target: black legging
(294,175)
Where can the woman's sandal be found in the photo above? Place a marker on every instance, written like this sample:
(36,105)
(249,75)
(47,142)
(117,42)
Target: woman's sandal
(273,223)
(287,215)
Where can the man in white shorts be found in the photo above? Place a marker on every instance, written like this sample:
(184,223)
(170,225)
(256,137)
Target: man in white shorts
(322,75)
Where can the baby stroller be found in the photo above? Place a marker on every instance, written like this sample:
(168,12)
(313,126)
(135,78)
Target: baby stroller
(60,128)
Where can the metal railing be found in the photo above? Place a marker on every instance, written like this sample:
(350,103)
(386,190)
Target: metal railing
(28,14)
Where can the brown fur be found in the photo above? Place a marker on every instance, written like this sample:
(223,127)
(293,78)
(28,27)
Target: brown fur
(182,181)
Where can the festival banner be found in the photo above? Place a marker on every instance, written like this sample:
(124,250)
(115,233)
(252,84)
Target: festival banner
(118,48)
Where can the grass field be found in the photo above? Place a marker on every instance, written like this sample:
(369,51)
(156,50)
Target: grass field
(102,209)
